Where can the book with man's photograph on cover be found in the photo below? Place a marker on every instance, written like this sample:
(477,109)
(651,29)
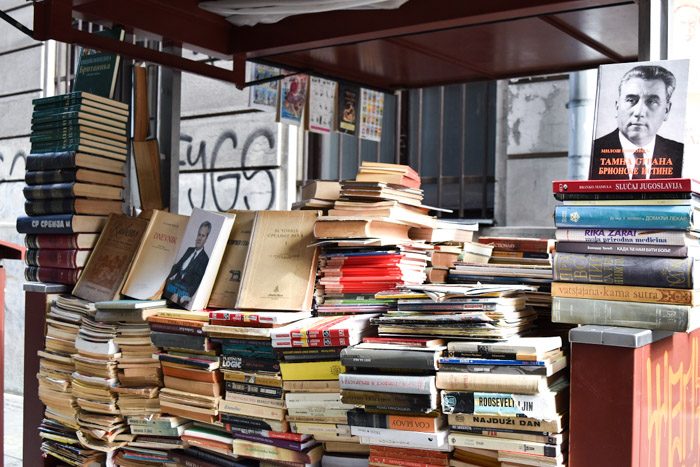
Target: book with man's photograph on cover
(191,278)
(639,123)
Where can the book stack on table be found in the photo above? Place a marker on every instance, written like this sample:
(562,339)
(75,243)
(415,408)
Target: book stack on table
(627,253)
(56,366)
(506,401)
(75,178)
(310,364)
(449,239)
(318,194)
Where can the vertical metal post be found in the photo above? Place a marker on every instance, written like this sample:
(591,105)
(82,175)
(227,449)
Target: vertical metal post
(419,133)
(398,108)
(653,30)
(340,156)
(463,146)
(169,130)
(441,147)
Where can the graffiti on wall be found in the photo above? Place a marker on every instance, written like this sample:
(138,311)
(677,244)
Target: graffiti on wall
(227,166)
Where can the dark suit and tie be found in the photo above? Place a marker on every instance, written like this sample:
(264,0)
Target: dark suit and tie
(608,147)
(186,275)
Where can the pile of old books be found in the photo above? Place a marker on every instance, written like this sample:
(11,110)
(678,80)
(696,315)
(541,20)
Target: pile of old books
(319,195)
(75,175)
(506,401)
(627,254)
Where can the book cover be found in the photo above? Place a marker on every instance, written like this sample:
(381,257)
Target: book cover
(106,269)
(640,121)
(264,96)
(371,114)
(155,255)
(348,108)
(191,278)
(293,94)
(321,114)
(280,268)
(97,71)
(228,280)
(624,217)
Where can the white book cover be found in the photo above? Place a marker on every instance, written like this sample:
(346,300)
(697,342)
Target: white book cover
(191,277)
(639,124)
(322,93)
(388,383)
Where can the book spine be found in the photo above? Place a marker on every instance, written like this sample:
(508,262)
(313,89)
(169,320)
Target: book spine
(50,224)
(250,410)
(514,445)
(255,400)
(180,341)
(309,371)
(280,443)
(400,359)
(509,434)
(255,389)
(261,451)
(625,293)
(383,460)
(251,423)
(375,398)
(635,236)
(153,430)
(51,191)
(183,361)
(388,383)
(516,383)
(392,422)
(52,258)
(253,378)
(44,177)
(234,362)
(176,329)
(412,439)
(49,206)
(541,406)
(296,437)
(627,314)
(623,270)
(621,186)
(55,275)
(623,217)
(51,161)
(500,421)
(517,244)
(325,342)
(630,249)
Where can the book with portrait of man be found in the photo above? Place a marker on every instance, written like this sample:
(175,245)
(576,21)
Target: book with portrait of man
(191,278)
(639,125)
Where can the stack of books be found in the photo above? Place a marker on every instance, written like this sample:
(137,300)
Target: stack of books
(318,194)
(75,177)
(510,397)
(450,242)
(628,254)
(189,361)
(138,372)
(94,378)
(58,430)
(493,312)
(310,350)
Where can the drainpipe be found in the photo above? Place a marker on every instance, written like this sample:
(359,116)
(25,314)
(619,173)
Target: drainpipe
(581,105)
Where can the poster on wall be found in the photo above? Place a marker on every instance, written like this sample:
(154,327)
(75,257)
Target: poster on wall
(293,93)
(264,96)
(371,115)
(348,102)
(321,105)
(639,121)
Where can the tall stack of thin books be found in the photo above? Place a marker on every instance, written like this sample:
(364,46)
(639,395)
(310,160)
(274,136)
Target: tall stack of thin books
(310,366)
(58,429)
(75,176)
(627,254)
(507,398)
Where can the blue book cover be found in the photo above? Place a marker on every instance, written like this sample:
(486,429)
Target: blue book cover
(489,361)
(624,217)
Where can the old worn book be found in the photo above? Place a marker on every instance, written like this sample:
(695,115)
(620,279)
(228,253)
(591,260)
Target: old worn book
(97,71)
(321,189)
(147,163)
(88,206)
(72,159)
(280,269)
(74,189)
(155,256)
(228,281)
(360,227)
(106,270)
(43,177)
(60,224)
(191,278)
(141,114)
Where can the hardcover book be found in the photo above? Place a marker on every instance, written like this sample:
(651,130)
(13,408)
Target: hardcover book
(228,280)
(155,256)
(106,269)
(72,160)
(60,224)
(191,278)
(280,268)
(97,71)
(640,121)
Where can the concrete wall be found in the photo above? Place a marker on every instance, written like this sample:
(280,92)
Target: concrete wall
(537,131)
(20,82)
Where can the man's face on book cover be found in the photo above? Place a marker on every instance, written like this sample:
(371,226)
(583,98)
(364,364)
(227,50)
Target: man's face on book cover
(202,235)
(641,109)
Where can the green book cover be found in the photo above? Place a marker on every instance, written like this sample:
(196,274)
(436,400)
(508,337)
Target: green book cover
(97,71)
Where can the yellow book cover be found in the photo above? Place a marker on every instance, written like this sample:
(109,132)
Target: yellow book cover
(311,371)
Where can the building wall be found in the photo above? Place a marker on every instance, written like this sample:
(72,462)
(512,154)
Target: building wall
(21,80)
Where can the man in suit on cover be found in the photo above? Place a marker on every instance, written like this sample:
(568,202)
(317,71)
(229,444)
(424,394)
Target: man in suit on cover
(187,272)
(634,150)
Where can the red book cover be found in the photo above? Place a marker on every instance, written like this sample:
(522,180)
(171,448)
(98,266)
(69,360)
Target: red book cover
(323,342)
(56,258)
(675,185)
(240,324)
(530,245)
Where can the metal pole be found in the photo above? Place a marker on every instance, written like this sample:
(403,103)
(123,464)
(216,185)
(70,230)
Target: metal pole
(169,130)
